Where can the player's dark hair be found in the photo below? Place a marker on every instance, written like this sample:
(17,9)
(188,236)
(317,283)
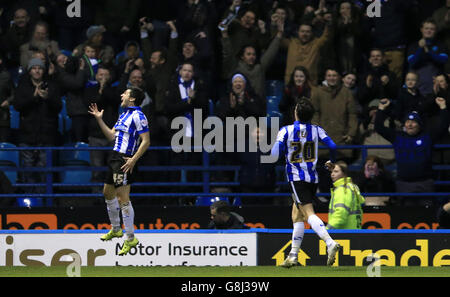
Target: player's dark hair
(221,206)
(137,94)
(304,110)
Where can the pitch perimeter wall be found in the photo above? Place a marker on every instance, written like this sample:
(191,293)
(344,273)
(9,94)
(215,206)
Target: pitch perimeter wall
(250,247)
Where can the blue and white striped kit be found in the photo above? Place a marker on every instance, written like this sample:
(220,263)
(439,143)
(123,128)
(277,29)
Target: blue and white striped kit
(131,123)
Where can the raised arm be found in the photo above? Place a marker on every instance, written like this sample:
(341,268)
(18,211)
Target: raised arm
(442,128)
(269,55)
(388,134)
(108,132)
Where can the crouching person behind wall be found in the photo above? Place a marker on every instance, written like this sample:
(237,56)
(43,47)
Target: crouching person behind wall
(223,218)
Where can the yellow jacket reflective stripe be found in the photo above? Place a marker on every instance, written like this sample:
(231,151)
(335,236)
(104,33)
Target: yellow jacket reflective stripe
(345,210)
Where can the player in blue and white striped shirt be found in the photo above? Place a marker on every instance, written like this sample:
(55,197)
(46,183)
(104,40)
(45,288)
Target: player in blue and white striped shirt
(132,138)
(299,144)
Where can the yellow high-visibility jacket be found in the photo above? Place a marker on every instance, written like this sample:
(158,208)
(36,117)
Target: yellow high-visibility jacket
(345,210)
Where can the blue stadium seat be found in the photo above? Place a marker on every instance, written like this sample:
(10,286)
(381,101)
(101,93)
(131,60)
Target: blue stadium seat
(207,201)
(75,176)
(15,118)
(210,107)
(64,121)
(61,124)
(16,73)
(30,202)
(119,55)
(66,52)
(272,106)
(67,123)
(274,93)
(122,54)
(237,201)
(74,157)
(274,88)
(9,158)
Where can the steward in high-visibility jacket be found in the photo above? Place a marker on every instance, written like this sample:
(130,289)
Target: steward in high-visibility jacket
(345,210)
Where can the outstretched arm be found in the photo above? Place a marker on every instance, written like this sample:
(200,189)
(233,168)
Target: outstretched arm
(108,132)
(442,128)
(332,146)
(387,133)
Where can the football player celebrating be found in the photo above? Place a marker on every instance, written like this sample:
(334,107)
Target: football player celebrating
(130,129)
(299,143)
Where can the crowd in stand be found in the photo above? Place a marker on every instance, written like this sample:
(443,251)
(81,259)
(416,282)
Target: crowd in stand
(184,54)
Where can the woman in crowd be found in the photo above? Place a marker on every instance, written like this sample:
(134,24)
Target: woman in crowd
(375,179)
(298,86)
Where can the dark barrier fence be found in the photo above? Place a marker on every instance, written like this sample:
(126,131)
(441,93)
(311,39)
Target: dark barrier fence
(205,168)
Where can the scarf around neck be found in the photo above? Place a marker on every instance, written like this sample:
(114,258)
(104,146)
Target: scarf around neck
(184,87)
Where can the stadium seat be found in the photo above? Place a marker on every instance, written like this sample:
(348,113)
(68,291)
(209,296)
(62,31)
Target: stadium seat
(274,88)
(210,107)
(274,93)
(10,159)
(30,202)
(207,201)
(64,121)
(66,52)
(15,118)
(69,158)
(16,73)
(122,54)
(237,201)
(75,176)
(272,106)
(74,157)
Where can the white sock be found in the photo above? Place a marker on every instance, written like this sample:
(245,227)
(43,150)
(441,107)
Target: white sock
(297,237)
(113,213)
(128,219)
(319,227)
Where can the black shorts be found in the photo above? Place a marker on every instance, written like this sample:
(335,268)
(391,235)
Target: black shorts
(115,175)
(303,192)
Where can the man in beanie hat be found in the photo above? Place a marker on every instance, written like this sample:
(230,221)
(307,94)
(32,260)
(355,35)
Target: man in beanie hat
(35,62)
(413,123)
(413,150)
(38,101)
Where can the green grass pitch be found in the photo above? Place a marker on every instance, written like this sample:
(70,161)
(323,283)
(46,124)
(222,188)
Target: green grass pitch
(241,271)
